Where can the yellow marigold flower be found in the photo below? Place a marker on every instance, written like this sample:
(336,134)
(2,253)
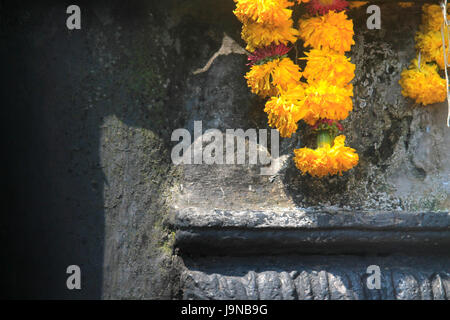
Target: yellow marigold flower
(344,158)
(264,79)
(432,18)
(331,31)
(313,161)
(284,110)
(405,4)
(258,79)
(326,101)
(357,4)
(326,160)
(285,74)
(332,67)
(430,46)
(262,35)
(425,86)
(272,12)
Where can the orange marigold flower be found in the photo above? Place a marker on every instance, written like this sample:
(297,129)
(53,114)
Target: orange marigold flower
(331,31)
(259,35)
(430,46)
(324,100)
(326,160)
(432,18)
(285,74)
(272,12)
(302,1)
(323,6)
(425,86)
(284,110)
(332,67)
(265,79)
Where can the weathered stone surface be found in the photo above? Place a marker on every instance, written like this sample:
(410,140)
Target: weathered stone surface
(91,115)
(395,201)
(402,146)
(319,278)
(90,165)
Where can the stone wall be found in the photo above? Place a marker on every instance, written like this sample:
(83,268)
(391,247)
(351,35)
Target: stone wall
(88,119)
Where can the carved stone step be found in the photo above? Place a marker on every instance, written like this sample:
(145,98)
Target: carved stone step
(328,231)
(313,254)
(316,277)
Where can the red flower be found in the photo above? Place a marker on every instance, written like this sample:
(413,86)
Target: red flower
(323,123)
(267,52)
(323,6)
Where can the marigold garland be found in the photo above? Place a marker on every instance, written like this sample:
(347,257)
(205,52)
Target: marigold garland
(325,97)
(328,94)
(423,83)
(431,18)
(430,46)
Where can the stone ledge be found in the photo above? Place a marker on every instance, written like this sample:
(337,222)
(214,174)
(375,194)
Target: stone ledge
(310,231)
(281,218)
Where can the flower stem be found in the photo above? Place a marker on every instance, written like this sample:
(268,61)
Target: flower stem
(323,138)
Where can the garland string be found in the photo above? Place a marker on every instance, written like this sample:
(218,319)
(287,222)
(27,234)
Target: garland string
(443,28)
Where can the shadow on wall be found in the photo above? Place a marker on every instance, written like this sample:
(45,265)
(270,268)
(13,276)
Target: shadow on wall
(60,88)
(58,216)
